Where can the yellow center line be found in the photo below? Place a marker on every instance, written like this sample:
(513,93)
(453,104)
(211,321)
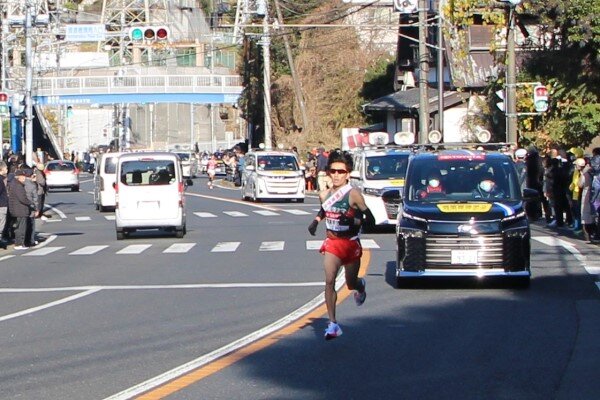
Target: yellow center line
(231,358)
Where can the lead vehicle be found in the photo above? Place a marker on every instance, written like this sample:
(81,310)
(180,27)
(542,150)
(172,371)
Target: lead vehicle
(462,214)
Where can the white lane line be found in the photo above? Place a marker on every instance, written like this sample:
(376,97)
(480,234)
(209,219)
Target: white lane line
(314,244)
(134,249)
(42,252)
(179,248)
(48,305)
(225,350)
(110,217)
(296,212)
(235,214)
(82,219)
(223,247)
(240,202)
(57,211)
(48,240)
(205,215)
(369,244)
(6,257)
(271,246)
(87,250)
(266,213)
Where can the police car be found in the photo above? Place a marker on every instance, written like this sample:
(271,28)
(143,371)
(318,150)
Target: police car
(379,174)
(462,214)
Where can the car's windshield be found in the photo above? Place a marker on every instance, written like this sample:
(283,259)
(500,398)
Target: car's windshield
(184,156)
(459,179)
(384,167)
(61,166)
(277,163)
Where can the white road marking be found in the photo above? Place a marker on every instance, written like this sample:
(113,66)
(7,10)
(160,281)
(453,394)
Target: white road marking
(82,218)
(205,215)
(110,217)
(89,291)
(57,211)
(179,248)
(134,249)
(6,257)
(271,246)
(314,244)
(241,202)
(87,250)
(227,349)
(43,251)
(369,244)
(266,213)
(235,214)
(223,247)
(296,212)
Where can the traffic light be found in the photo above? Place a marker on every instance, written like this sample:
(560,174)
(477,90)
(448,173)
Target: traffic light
(540,98)
(149,33)
(4,112)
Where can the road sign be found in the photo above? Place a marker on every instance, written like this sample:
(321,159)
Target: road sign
(85,32)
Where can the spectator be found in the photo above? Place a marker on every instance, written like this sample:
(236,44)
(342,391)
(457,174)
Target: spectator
(322,178)
(40,178)
(585,186)
(3,200)
(574,190)
(534,173)
(31,191)
(19,207)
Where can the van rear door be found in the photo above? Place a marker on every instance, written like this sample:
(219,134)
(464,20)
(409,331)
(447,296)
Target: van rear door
(148,188)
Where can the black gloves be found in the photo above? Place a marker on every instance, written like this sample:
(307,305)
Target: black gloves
(368,217)
(312,228)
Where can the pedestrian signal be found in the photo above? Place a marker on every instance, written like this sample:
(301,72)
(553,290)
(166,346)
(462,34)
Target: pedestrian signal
(540,98)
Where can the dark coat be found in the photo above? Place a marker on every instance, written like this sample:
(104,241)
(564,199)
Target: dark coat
(18,203)
(3,193)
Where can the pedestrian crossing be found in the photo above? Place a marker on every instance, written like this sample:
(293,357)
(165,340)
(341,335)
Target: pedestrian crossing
(205,214)
(178,248)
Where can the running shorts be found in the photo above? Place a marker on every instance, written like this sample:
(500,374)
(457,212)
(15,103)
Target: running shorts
(346,249)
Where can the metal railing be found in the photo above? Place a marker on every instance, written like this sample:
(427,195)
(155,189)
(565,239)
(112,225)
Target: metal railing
(73,85)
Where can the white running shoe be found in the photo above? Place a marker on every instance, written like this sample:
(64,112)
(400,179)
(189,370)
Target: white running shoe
(360,297)
(333,330)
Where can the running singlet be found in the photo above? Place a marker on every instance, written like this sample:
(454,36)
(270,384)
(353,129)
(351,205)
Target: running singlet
(335,211)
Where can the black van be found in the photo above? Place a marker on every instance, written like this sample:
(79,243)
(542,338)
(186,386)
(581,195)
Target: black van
(462,214)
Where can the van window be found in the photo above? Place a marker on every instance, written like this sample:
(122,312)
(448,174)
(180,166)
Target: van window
(147,172)
(110,167)
(390,166)
(277,163)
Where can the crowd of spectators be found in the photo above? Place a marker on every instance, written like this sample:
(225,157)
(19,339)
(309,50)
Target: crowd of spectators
(22,196)
(568,182)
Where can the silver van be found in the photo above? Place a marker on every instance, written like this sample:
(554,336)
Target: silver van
(150,193)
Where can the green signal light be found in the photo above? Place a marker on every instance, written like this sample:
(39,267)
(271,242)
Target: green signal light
(137,34)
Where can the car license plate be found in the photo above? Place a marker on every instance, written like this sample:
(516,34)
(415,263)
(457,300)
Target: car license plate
(148,205)
(464,257)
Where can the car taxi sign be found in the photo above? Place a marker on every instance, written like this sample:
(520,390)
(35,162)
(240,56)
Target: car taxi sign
(465,208)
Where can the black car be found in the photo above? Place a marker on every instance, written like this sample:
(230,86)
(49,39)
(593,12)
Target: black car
(462,214)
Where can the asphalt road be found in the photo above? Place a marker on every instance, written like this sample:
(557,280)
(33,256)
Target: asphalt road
(233,311)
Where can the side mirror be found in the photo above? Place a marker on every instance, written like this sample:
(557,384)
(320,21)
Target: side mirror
(189,182)
(530,194)
(355,175)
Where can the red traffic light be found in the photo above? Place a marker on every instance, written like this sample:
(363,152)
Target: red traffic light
(162,33)
(3,97)
(541,91)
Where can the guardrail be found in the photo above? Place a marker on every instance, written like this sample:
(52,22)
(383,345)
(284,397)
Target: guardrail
(55,86)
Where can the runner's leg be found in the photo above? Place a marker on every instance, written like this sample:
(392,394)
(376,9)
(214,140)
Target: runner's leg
(331,264)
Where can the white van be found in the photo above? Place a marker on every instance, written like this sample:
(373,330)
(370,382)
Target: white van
(150,193)
(272,175)
(104,178)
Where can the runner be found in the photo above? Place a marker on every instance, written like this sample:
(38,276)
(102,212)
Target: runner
(211,170)
(342,207)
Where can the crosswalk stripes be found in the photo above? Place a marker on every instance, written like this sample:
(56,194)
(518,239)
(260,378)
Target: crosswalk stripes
(110,217)
(134,249)
(266,213)
(224,247)
(296,212)
(205,215)
(271,246)
(179,248)
(235,214)
(83,219)
(87,250)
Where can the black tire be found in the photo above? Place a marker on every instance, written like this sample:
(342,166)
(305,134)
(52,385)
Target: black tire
(180,232)
(299,200)
(404,283)
(522,282)
(75,189)
(120,235)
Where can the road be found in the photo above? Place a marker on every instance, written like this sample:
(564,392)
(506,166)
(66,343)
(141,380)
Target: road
(233,311)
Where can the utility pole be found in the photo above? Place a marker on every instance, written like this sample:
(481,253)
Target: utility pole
(28,85)
(266,42)
(423,74)
(511,80)
(297,88)
(440,68)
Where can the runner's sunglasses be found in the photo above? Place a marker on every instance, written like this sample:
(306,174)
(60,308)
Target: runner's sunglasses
(337,171)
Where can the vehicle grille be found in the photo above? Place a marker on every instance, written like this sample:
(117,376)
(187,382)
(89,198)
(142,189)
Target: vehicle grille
(489,247)
(282,185)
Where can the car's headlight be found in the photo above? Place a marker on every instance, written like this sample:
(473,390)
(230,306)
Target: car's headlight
(411,233)
(413,217)
(514,217)
(373,191)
